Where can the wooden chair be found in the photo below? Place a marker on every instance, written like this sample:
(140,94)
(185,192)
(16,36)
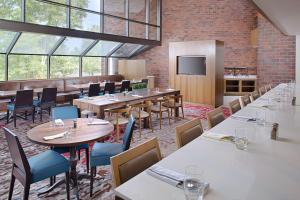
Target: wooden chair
(159,109)
(119,117)
(34,169)
(254,95)
(234,106)
(47,101)
(173,103)
(188,131)
(215,117)
(262,91)
(142,111)
(245,100)
(134,161)
(268,87)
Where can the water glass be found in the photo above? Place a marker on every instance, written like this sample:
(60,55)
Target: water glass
(261,117)
(91,118)
(193,183)
(241,141)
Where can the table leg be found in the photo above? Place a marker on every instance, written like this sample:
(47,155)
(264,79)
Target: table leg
(73,172)
(176,108)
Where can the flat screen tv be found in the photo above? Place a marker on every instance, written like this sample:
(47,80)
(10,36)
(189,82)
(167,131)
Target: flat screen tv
(191,65)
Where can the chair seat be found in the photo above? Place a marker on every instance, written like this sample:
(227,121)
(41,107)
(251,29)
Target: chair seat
(36,102)
(172,105)
(10,106)
(121,121)
(101,153)
(144,114)
(156,109)
(47,164)
(67,149)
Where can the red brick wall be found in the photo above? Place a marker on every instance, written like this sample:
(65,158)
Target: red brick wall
(276,54)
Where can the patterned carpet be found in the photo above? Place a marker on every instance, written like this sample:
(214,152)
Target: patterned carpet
(102,188)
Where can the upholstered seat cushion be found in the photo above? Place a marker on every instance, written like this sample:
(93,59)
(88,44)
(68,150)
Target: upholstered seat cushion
(67,149)
(10,106)
(101,153)
(47,164)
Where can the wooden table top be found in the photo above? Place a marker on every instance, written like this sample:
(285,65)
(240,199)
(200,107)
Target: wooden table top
(84,133)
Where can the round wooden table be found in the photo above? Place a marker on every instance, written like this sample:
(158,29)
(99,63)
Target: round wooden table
(83,134)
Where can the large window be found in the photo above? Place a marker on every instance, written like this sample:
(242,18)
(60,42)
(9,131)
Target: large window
(92,66)
(64,66)
(11,9)
(24,67)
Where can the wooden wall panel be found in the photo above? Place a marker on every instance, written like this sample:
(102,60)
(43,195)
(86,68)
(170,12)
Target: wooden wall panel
(132,69)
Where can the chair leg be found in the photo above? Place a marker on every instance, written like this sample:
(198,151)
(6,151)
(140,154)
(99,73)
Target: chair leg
(182,112)
(26,191)
(78,154)
(41,114)
(11,188)
(7,116)
(140,126)
(118,132)
(15,120)
(51,181)
(68,185)
(169,116)
(87,158)
(33,115)
(93,171)
(160,118)
(25,115)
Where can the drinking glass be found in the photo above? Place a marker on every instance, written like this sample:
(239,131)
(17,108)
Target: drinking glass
(193,183)
(91,118)
(261,117)
(241,141)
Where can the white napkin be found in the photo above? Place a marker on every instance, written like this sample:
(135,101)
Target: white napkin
(52,137)
(243,118)
(113,99)
(218,136)
(135,95)
(98,123)
(59,122)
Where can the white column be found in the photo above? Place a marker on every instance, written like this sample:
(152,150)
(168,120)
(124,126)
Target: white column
(297,70)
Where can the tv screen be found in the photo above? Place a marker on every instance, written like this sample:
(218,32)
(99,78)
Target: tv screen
(191,65)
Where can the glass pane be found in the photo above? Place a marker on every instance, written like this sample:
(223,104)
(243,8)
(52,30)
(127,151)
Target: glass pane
(11,10)
(137,10)
(61,1)
(153,12)
(23,67)
(64,66)
(92,66)
(137,30)
(85,21)
(2,68)
(46,13)
(30,43)
(73,46)
(115,7)
(126,50)
(141,49)
(153,33)
(6,38)
(102,48)
(114,26)
(87,4)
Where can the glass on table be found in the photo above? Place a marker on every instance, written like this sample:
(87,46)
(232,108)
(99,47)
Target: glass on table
(261,117)
(91,118)
(241,140)
(193,183)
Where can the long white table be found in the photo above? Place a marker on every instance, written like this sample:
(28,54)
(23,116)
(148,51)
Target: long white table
(267,170)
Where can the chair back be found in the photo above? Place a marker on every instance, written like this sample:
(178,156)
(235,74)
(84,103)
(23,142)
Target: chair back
(24,98)
(254,95)
(94,90)
(49,95)
(65,112)
(128,133)
(262,91)
(110,87)
(234,106)
(125,85)
(130,163)
(215,117)
(16,152)
(245,100)
(188,131)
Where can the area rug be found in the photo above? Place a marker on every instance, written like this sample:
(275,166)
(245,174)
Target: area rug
(103,188)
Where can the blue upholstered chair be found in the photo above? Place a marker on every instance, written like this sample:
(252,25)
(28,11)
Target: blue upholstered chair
(101,152)
(36,168)
(69,112)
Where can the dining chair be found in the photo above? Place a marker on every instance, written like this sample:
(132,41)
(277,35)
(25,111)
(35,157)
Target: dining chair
(188,131)
(23,104)
(47,101)
(234,106)
(159,109)
(174,102)
(125,86)
(144,80)
(109,87)
(70,112)
(142,111)
(94,90)
(102,152)
(34,169)
(262,91)
(254,95)
(215,117)
(130,163)
(245,100)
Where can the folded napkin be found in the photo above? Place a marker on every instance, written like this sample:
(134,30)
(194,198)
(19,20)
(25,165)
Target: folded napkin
(135,95)
(218,136)
(52,137)
(170,89)
(113,99)
(98,123)
(244,118)
(171,177)
(59,122)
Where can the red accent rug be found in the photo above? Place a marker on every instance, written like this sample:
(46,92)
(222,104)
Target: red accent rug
(103,189)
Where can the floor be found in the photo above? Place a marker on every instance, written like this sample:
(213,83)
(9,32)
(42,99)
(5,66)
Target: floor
(103,189)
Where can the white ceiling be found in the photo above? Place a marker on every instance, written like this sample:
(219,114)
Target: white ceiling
(285,14)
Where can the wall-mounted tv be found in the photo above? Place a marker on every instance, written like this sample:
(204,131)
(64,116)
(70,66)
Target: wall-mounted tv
(191,65)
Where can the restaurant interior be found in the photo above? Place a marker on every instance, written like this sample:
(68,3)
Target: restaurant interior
(149,99)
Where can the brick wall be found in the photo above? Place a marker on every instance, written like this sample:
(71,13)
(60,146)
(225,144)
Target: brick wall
(275,54)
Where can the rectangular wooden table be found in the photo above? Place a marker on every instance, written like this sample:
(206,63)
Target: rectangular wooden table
(100,103)
(267,170)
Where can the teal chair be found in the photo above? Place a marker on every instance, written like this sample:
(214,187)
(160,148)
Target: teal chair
(36,168)
(101,152)
(69,112)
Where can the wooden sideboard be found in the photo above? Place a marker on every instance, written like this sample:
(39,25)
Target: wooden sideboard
(238,86)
